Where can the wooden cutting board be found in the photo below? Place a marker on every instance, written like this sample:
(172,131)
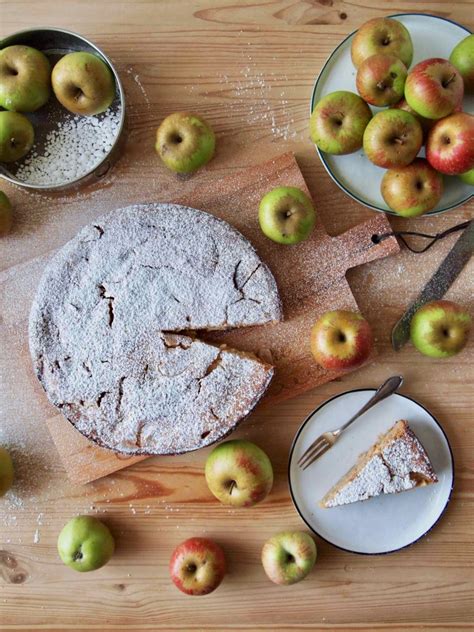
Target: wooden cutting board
(311,279)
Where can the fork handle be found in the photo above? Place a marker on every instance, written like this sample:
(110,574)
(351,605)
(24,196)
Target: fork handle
(388,388)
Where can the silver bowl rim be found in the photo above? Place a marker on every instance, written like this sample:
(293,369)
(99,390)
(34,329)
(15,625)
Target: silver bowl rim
(71,183)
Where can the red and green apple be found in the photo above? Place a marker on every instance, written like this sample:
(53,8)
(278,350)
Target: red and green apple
(341,340)
(338,122)
(381,79)
(412,190)
(289,557)
(382,35)
(393,138)
(434,88)
(197,566)
(450,145)
(239,473)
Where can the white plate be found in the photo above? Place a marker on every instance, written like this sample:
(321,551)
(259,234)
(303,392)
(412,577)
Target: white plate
(432,37)
(388,522)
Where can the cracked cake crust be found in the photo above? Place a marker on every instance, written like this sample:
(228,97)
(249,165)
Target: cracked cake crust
(106,329)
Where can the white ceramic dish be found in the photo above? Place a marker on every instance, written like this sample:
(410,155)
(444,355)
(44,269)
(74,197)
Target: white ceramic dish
(384,524)
(432,37)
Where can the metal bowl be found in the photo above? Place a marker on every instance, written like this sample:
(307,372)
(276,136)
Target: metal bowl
(55,43)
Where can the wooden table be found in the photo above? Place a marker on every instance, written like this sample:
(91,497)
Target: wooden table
(248,67)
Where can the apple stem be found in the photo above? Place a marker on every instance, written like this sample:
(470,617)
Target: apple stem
(448,81)
(231,487)
(381,85)
(399,141)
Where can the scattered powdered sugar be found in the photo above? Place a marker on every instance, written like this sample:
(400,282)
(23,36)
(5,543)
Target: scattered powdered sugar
(76,146)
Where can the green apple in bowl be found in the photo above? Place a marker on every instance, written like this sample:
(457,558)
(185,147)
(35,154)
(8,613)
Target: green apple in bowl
(16,136)
(185,142)
(341,340)
(83,83)
(440,329)
(286,215)
(6,471)
(385,36)
(197,566)
(468,177)
(239,473)
(338,122)
(462,58)
(289,557)
(412,190)
(434,88)
(392,138)
(380,80)
(85,544)
(6,215)
(450,144)
(25,78)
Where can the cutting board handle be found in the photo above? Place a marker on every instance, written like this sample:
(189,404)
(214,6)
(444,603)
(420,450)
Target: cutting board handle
(359,245)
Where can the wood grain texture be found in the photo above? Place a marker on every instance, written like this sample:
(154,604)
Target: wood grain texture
(317,283)
(248,67)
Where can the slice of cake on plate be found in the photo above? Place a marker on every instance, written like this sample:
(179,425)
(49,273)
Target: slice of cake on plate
(395,463)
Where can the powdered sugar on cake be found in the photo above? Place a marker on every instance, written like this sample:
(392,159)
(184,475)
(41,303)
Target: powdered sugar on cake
(396,469)
(98,328)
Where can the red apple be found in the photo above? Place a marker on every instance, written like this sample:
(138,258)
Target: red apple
(381,79)
(382,35)
(412,190)
(392,138)
(341,340)
(197,566)
(434,88)
(450,145)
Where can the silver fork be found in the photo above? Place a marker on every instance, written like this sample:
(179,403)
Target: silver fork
(328,439)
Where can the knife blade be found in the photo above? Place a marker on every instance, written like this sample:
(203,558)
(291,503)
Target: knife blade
(439,283)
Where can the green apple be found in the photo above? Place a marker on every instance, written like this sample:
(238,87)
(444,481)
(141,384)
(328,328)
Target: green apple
(382,35)
(83,83)
(468,177)
(25,78)
(462,58)
(288,557)
(239,473)
(185,142)
(85,544)
(6,216)
(412,190)
(6,471)
(286,215)
(338,122)
(440,329)
(16,136)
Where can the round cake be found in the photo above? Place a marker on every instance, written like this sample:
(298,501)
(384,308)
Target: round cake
(112,329)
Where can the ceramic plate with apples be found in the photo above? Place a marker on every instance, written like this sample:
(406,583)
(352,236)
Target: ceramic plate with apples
(388,522)
(415,72)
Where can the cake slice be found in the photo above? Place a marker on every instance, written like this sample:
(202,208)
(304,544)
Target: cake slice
(396,463)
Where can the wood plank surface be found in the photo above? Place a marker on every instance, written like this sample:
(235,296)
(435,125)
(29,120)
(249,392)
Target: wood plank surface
(248,67)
